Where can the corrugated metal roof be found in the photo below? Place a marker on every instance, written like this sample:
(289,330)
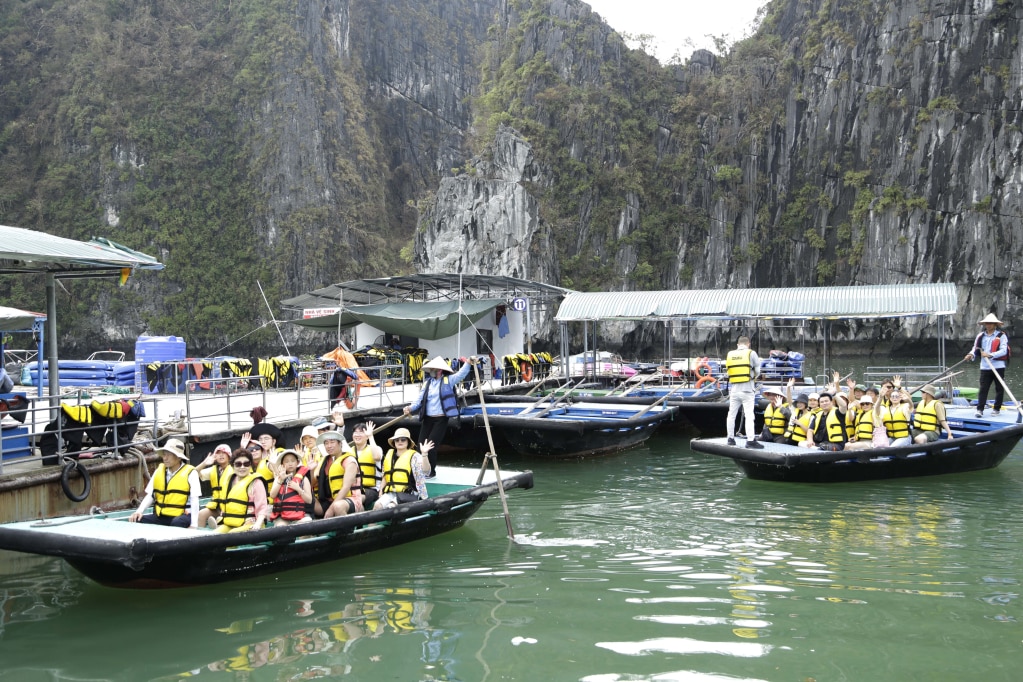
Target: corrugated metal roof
(23,250)
(891,300)
(425,287)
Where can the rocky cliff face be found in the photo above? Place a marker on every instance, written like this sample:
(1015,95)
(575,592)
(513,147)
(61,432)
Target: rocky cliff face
(862,141)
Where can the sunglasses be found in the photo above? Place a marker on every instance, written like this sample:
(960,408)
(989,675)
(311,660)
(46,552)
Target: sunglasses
(242,464)
(401,440)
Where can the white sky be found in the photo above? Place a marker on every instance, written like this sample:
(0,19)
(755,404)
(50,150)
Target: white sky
(673,22)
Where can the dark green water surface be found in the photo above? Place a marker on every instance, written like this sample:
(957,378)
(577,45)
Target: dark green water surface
(653,564)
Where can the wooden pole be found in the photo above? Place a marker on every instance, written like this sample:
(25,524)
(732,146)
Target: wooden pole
(492,455)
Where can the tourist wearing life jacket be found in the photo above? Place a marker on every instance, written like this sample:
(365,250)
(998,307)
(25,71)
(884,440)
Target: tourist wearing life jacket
(404,471)
(743,367)
(268,436)
(992,345)
(776,416)
(799,420)
(897,416)
(370,457)
(216,469)
(245,505)
(437,402)
(928,417)
(866,425)
(291,495)
(827,429)
(173,491)
(343,482)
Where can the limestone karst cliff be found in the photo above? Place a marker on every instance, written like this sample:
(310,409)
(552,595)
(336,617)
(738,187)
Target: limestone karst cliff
(295,143)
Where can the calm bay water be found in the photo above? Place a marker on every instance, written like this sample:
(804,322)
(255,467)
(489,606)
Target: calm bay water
(653,564)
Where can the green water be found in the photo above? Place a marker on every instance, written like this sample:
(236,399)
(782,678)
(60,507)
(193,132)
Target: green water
(653,564)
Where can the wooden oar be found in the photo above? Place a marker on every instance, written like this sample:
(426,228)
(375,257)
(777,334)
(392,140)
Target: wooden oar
(1019,408)
(656,403)
(943,374)
(492,456)
(551,396)
(390,423)
(638,384)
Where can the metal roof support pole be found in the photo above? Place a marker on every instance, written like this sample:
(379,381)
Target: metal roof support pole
(824,371)
(667,342)
(563,326)
(586,345)
(529,327)
(941,341)
(53,368)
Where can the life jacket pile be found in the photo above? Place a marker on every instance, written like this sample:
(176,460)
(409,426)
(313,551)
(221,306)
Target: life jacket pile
(526,367)
(98,424)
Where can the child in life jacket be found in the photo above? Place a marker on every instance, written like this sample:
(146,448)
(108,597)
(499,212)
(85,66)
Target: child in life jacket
(291,494)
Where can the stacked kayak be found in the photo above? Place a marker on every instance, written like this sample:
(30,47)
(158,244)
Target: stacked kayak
(83,373)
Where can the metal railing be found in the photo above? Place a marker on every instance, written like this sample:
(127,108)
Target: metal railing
(44,432)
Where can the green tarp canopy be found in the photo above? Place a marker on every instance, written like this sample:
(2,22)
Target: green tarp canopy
(431,320)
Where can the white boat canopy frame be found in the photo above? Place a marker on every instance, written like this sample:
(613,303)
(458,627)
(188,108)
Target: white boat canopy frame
(24,251)
(795,303)
(806,303)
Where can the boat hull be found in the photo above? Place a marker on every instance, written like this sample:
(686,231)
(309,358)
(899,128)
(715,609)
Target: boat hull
(553,437)
(974,452)
(186,558)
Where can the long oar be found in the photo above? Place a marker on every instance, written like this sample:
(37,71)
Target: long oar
(492,455)
(656,402)
(1019,408)
(390,423)
(945,374)
(638,384)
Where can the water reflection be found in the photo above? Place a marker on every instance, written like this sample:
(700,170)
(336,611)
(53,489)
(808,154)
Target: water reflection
(653,565)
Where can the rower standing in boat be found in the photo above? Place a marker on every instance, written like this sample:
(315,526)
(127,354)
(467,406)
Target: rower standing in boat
(437,403)
(993,344)
(173,491)
(743,367)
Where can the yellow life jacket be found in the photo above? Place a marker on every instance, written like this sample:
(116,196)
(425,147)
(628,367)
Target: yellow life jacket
(895,422)
(336,474)
(798,425)
(170,498)
(834,426)
(865,425)
(738,366)
(219,482)
(237,508)
(926,416)
(263,470)
(775,419)
(851,415)
(367,467)
(398,476)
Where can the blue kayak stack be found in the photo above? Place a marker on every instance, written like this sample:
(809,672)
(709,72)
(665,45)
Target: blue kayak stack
(82,373)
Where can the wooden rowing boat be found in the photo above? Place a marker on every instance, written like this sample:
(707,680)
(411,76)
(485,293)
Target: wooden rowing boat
(112,551)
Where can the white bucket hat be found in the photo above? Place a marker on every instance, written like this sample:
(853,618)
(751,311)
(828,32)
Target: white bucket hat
(176,448)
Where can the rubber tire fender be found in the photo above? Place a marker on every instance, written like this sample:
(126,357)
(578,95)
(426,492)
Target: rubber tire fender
(65,480)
